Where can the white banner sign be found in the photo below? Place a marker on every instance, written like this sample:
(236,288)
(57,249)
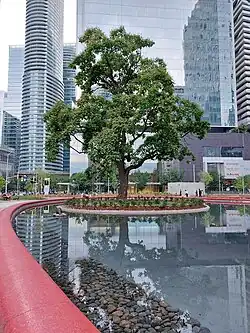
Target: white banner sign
(233,170)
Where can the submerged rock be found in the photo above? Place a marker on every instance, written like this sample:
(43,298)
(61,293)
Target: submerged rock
(116,305)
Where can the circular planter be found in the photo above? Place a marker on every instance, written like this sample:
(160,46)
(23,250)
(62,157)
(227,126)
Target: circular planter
(129,212)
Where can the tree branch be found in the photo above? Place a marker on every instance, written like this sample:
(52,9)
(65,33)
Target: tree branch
(145,128)
(79,152)
(140,163)
(77,139)
(111,71)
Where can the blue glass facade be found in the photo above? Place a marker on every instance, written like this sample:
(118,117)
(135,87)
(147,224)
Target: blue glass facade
(69,52)
(183,40)
(11,135)
(209,61)
(13,102)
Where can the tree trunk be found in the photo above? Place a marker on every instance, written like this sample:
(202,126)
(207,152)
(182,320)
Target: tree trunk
(123,180)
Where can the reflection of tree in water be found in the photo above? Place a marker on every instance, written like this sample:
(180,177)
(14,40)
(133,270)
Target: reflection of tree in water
(161,266)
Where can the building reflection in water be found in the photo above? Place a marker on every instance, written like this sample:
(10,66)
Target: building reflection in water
(199,263)
(46,238)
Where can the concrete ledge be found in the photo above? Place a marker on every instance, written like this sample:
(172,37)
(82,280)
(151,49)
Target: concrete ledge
(30,302)
(135,212)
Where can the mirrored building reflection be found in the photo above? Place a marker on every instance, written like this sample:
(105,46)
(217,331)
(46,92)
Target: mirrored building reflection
(46,238)
(199,262)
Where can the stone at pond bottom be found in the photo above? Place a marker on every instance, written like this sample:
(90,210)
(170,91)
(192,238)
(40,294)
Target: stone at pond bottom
(125,305)
(196,329)
(116,320)
(111,308)
(204,330)
(194,322)
(117,313)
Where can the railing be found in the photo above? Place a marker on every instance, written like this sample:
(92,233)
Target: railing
(30,302)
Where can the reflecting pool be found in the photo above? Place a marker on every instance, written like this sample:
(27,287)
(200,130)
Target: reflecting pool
(199,263)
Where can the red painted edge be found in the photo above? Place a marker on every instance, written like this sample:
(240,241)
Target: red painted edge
(30,302)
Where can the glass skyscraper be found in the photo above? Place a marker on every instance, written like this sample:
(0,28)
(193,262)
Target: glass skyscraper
(42,80)
(178,29)
(11,135)
(13,102)
(242,58)
(69,53)
(209,61)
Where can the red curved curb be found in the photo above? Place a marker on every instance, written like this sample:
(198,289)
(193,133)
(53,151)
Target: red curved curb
(30,302)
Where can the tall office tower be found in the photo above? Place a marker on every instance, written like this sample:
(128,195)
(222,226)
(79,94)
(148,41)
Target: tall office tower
(209,61)
(11,135)
(69,53)
(42,81)
(3,96)
(242,59)
(13,102)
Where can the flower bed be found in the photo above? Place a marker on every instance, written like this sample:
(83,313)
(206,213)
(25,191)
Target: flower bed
(139,203)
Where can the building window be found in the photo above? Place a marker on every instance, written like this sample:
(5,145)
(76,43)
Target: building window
(231,152)
(212,151)
(223,151)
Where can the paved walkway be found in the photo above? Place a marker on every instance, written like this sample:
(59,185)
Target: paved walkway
(5,204)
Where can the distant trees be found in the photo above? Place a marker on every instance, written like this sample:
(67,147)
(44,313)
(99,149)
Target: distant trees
(242,183)
(140,178)
(206,178)
(172,175)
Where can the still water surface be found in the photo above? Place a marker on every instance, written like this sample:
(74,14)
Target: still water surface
(199,263)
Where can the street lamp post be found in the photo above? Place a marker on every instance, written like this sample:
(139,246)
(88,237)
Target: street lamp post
(194,173)
(7,174)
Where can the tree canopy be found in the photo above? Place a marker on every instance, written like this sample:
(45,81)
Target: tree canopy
(172,175)
(242,182)
(206,178)
(141,120)
(140,178)
(2,183)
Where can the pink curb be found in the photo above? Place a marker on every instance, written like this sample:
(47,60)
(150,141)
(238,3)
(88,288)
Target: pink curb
(30,302)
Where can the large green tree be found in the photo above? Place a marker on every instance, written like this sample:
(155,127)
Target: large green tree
(142,120)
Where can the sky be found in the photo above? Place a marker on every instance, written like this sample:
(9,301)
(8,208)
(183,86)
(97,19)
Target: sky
(12,30)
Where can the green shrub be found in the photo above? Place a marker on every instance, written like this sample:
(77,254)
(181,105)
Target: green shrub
(153,202)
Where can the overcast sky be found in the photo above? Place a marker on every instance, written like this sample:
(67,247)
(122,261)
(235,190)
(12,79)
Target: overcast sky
(12,29)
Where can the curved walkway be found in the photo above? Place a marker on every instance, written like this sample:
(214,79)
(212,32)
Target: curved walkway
(30,302)
(228,199)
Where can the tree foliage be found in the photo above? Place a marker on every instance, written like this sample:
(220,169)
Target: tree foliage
(2,183)
(85,180)
(141,179)
(241,129)
(206,178)
(217,180)
(142,120)
(172,175)
(242,182)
